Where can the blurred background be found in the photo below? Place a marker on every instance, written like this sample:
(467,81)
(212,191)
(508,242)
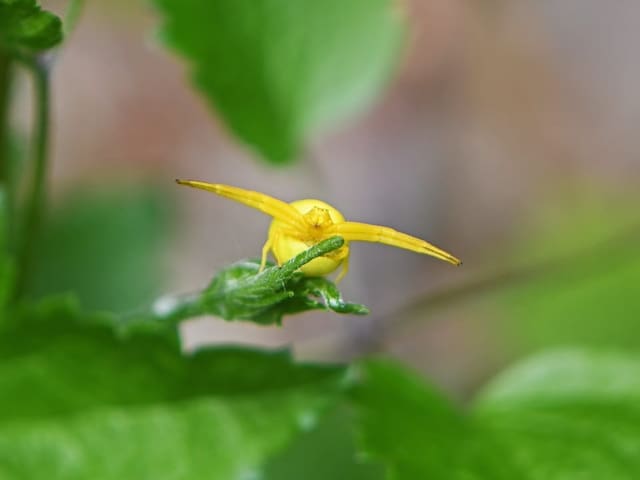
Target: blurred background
(506,136)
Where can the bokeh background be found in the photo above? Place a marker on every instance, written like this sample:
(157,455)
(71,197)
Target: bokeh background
(507,135)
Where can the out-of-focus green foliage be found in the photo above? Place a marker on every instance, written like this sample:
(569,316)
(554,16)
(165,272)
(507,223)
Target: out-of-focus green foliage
(85,393)
(590,295)
(76,402)
(276,70)
(105,246)
(565,415)
(24,26)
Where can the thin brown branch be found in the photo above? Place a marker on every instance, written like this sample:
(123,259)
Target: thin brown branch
(422,308)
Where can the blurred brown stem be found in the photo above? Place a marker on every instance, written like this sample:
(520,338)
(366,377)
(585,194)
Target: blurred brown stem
(420,309)
(6,168)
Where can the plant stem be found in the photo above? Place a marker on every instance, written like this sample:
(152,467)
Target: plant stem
(5,81)
(37,189)
(72,15)
(6,183)
(167,310)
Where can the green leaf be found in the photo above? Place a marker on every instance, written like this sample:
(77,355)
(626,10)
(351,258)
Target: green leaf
(277,70)
(564,415)
(242,292)
(24,26)
(77,402)
(417,433)
(569,414)
(328,451)
(106,246)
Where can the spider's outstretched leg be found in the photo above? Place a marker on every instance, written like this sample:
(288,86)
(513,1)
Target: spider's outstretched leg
(260,201)
(363,232)
(265,251)
(345,269)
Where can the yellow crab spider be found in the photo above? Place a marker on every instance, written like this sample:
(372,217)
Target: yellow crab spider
(298,225)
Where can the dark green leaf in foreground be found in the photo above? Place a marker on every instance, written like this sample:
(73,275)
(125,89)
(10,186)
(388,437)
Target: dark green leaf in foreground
(277,69)
(24,26)
(76,402)
(566,415)
(417,433)
(240,292)
(326,452)
(569,414)
(105,246)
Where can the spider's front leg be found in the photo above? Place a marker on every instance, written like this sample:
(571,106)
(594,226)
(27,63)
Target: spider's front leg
(265,251)
(272,238)
(345,269)
(275,235)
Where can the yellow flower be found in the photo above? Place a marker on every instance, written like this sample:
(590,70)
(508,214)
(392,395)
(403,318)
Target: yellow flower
(298,225)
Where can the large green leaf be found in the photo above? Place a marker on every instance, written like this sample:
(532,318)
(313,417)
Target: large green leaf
(564,415)
(568,414)
(25,26)
(76,402)
(328,451)
(418,433)
(105,246)
(277,69)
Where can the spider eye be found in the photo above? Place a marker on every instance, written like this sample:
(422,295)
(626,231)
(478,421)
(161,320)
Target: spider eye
(318,217)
